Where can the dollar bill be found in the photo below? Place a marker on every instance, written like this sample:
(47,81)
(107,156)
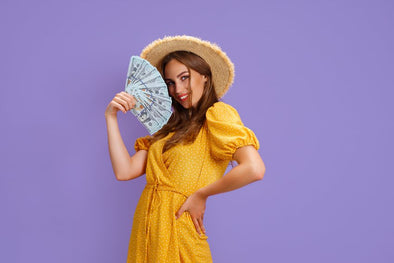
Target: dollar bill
(153,106)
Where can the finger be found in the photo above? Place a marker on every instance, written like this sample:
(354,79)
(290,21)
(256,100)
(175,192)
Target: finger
(179,213)
(126,99)
(130,98)
(134,101)
(123,102)
(201,224)
(127,95)
(196,224)
(120,99)
(118,106)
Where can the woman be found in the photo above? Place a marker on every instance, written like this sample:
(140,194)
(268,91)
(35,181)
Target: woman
(185,161)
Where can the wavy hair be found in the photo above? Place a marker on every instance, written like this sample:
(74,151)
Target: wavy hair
(187,123)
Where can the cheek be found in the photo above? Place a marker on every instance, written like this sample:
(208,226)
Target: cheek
(171,91)
(199,87)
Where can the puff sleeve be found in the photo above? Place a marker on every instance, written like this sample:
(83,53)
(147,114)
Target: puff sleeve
(142,143)
(226,132)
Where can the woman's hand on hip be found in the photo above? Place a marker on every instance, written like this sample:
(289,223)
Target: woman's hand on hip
(195,204)
(122,101)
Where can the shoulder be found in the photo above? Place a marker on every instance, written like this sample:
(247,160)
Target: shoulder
(221,106)
(226,131)
(142,143)
(221,111)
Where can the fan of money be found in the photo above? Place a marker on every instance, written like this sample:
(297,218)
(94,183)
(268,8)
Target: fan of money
(144,82)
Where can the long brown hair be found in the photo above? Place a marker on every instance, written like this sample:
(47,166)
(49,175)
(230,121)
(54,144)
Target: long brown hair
(186,123)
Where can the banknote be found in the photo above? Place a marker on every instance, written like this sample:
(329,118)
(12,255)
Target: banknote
(145,83)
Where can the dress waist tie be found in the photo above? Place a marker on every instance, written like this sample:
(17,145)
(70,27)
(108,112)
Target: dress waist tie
(155,192)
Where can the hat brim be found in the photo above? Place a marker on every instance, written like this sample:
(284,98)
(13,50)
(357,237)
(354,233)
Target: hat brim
(221,66)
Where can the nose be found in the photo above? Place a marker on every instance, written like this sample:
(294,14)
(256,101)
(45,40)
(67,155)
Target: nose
(179,88)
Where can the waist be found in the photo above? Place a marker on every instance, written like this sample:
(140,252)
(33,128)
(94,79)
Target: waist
(161,187)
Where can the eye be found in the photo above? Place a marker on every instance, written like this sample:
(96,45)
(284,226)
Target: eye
(184,77)
(169,83)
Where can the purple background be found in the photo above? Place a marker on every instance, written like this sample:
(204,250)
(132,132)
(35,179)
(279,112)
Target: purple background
(314,80)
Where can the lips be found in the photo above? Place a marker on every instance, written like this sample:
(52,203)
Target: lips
(183,97)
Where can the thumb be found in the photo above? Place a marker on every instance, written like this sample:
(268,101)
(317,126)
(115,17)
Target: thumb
(179,213)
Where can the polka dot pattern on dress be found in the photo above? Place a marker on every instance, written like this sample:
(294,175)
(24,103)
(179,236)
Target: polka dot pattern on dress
(156,235)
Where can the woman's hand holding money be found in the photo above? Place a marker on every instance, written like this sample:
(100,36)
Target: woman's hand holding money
(122,101)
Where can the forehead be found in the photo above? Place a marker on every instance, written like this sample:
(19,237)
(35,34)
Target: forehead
(174,67)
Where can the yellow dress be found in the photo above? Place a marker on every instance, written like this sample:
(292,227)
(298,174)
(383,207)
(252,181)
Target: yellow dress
(156,236)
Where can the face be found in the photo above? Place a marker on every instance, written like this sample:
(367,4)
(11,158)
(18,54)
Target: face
(178,81)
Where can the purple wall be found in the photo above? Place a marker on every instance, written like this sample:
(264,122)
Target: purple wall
(314,80)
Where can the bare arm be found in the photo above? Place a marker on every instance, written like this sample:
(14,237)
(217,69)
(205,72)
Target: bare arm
(124,166)
(251,168)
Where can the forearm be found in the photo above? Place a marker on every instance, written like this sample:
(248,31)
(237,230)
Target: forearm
(237,177)
(119,155)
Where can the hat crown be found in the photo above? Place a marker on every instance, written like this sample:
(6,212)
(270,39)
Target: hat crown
(221,65)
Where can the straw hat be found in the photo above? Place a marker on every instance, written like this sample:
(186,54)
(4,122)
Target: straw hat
(221,66)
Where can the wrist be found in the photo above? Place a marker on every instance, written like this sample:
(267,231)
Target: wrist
(201,192)
(110,116)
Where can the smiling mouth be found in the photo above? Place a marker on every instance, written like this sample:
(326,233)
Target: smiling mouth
(183,97)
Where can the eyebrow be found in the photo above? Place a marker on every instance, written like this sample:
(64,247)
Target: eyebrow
(179,74)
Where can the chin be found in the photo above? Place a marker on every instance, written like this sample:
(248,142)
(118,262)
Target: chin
(185,104)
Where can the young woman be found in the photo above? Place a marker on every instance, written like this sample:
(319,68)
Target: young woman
(184,162)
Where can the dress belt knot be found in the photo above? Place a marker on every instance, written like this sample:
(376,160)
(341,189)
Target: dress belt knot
(161,187)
